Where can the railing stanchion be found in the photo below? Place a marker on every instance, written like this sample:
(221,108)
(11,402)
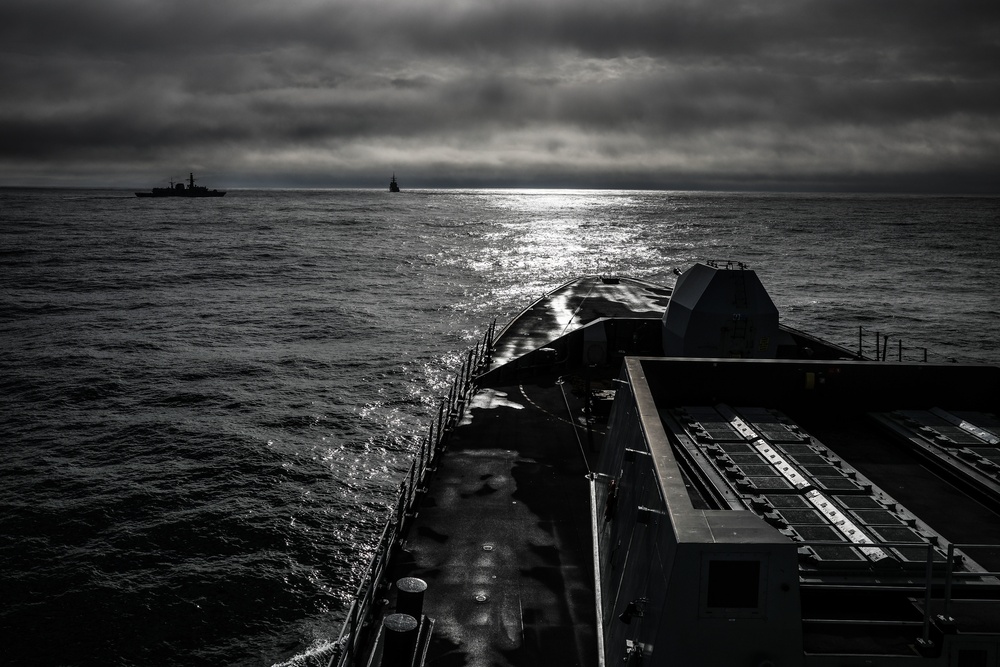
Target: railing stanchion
(927,592)
(949,568)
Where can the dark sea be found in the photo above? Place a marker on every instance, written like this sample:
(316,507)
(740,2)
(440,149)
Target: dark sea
(206,406)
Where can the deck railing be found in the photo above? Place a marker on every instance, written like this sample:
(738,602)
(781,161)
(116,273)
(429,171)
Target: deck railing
(354,631)
(882,347)
(939,575)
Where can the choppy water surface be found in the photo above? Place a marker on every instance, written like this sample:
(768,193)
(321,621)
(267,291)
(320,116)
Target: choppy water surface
(207,405)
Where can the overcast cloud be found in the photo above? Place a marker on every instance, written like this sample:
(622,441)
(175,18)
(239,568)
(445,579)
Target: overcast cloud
(786,94)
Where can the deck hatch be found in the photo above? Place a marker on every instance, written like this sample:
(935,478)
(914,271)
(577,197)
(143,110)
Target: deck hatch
(825,470)
(735,448)
(858,502)
(801,517)
(777,432)
(966,444)
(976,430)
(719,432)
(837,484)
(805,490)
(808,459)
(785,500)
(799,449)
(762,470)
(742,460)
(877,517)
(823,533)
(764,483)
(824,554)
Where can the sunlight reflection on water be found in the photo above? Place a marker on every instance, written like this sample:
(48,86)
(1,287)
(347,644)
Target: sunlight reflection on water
(545,235)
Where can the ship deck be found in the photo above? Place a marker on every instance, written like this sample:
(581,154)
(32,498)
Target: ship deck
(501,541)
(574,305)
(503,535)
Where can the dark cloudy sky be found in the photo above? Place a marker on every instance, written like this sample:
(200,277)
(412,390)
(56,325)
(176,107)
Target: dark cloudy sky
(775,94)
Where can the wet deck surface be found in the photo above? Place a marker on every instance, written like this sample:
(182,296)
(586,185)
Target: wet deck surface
(574,305)
(503,536)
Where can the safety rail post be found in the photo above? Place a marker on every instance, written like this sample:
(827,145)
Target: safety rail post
(450,410)
(949,569)
(418,462)
(363,597)
(451,402)
(345,641)
(928,580)
(467,382)
(400,510)
(459,393)
(409,491)
(427,446)
(440,423)
(355,626)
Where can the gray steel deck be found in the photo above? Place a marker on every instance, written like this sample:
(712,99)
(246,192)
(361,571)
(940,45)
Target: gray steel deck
(572,306)
(503,536)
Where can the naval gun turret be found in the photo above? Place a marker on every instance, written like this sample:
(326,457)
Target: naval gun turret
(720,311)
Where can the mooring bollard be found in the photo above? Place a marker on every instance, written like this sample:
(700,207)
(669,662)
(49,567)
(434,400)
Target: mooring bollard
(410,596)
(399,640)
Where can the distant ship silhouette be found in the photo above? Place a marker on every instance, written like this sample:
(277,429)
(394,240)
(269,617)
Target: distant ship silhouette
(393,186)
(178,190)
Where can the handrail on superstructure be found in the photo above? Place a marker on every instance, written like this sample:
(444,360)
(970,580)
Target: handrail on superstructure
(882,348)
(949,576)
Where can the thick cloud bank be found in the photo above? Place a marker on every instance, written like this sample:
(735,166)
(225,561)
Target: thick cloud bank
(828,94)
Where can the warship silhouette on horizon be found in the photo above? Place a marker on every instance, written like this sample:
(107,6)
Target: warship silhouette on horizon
(180,190)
